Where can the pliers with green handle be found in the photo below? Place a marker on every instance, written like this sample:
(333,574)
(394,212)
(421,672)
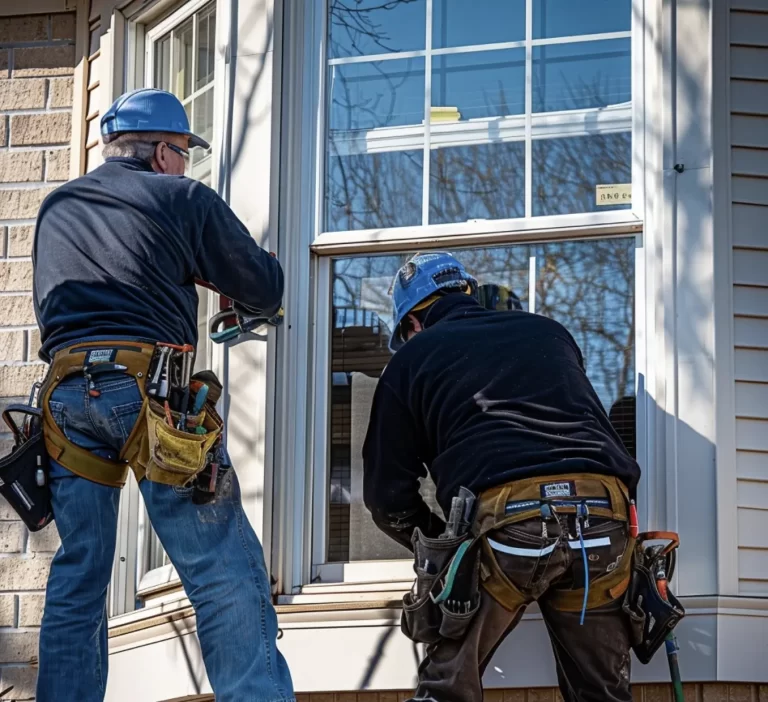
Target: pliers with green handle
(228,324)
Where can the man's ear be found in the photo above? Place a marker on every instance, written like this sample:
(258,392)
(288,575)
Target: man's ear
(159,160)
(415,323)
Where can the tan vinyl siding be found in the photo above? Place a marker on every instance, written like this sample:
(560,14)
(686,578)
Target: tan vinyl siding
(749,221)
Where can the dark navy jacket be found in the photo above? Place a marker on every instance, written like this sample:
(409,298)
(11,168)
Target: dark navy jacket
(482,398)
(116,253)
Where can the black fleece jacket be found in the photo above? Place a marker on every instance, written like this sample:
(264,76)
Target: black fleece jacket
(117,251)
(481,398)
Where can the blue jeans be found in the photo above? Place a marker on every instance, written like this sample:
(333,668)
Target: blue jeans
(213,548)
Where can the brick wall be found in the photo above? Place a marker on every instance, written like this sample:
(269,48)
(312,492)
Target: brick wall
(37,55)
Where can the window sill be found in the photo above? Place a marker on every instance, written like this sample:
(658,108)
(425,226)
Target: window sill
(478,232)
(158,582)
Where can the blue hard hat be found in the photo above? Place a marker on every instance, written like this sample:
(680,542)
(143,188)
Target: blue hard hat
(148,110)
(421,277)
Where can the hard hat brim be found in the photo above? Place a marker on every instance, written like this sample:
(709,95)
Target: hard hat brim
(195,140)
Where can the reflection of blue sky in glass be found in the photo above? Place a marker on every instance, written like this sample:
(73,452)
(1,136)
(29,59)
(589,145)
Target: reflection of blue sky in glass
(369,191)
(363,27)
(369,27)
(470,22)
(589,288)
(586,285)
(381,94)
(484,84)
(581,75)
(565,172)
(477,180)
(486,181)
(561,18)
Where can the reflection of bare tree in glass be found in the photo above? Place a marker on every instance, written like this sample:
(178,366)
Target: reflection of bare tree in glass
(369,191)
(357,21)
(586,285)
(589,287)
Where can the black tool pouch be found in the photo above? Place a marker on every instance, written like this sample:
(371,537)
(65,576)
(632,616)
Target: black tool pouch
(24,473)
(425,620)
(651,617)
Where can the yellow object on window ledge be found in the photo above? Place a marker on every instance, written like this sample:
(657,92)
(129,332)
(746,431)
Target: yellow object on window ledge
(444,114)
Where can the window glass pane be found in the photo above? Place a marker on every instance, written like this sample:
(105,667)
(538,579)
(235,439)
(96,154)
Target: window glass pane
(365,27)
(163,63)
(206,47)
(567,172)
(582,75)
(485,181)
(484,84)
(464,23)
(202,125)
(586,285)
(590,289)
(561,18)
(366,185)
(373,191)
(182,80)
(579,98)
(381,94)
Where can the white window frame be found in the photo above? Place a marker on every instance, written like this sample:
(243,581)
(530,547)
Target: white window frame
(301,465)
(525,127)
(132,577)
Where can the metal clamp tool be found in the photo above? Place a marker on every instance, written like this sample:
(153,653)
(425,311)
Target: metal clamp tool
(228,325)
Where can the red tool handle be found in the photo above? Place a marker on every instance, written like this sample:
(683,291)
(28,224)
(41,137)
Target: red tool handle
(634,525)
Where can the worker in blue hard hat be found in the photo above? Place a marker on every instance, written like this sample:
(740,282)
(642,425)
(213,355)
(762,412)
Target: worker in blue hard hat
(535,486)
(116,257)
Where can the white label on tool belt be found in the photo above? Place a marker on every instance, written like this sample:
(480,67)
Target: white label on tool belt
(617,194)
(564,489)
(101,356)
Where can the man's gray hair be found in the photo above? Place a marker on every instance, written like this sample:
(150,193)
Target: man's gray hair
(139,145)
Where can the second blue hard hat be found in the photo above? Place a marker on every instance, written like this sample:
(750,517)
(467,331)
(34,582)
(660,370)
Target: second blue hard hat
(148,110)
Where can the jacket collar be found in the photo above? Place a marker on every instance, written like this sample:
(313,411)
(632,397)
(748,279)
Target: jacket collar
(133,164)
(451,306)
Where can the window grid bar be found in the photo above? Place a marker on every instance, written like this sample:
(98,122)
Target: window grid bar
(580,38)
(473,48)
(172,62)
(532,284)
(528,185)
(207,87)
(427,118)
(193,73)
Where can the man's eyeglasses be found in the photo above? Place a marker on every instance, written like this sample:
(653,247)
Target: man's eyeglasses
(176,149)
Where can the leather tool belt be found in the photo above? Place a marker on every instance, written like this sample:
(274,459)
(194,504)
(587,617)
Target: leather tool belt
(520,500)
(155,449)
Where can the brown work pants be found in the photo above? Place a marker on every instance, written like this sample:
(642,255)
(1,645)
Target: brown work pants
(593,659)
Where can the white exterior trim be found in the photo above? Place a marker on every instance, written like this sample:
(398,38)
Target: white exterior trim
(725,400)
(344,641)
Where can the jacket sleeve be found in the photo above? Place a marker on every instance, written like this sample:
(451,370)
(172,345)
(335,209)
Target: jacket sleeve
(240,269)
(391,471)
